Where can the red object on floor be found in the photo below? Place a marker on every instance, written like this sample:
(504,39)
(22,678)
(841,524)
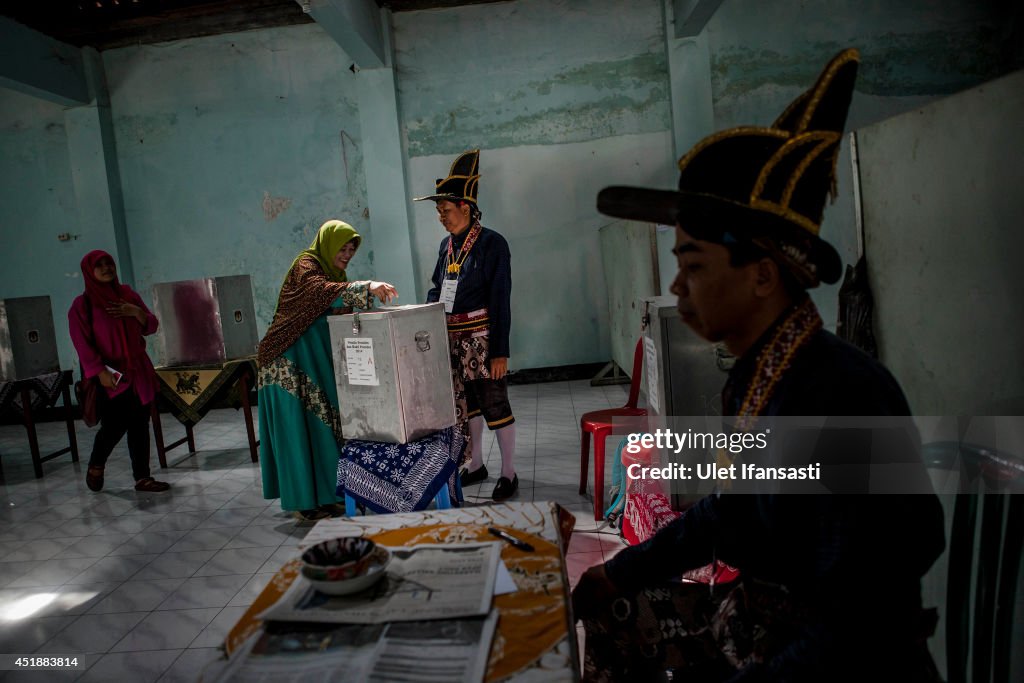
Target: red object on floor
(599,424)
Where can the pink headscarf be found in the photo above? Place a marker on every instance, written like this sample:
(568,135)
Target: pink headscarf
(104,294)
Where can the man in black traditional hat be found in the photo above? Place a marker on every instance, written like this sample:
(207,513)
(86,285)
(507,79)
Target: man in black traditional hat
(473,278)
(829,586)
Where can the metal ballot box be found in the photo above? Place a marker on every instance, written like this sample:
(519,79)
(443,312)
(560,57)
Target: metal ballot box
(28,344)
(393,372)
(209,320)
(690,372)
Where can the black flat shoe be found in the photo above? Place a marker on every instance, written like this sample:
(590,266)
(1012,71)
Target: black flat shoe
(94,478)
(333,509)
(506,487)
(467,478)
(313,515)
(151,485)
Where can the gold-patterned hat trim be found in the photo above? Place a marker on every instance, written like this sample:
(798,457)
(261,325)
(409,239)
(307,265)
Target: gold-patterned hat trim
(469,186)
(823,141)
(819,90)
(745,131)
(474,171)
(468,193)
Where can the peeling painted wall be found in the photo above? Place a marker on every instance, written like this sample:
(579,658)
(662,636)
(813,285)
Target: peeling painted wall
(563,98)
(233,150)
(764,54)
(37,203)
(530,72)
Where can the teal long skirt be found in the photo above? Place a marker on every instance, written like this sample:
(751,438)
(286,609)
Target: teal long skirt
(300,427)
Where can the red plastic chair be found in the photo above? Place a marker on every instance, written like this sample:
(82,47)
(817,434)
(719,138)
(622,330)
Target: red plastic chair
(599,423)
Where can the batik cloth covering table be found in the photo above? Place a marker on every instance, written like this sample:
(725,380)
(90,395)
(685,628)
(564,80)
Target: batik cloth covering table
(536,637)
(390,477)
(191,391)
(23,397)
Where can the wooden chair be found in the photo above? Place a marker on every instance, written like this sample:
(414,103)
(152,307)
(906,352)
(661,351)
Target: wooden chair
(599,423)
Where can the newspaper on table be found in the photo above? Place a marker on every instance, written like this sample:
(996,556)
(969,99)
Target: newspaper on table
(429,581)
(436,651)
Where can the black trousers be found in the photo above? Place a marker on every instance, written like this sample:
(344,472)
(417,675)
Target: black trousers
(119,415)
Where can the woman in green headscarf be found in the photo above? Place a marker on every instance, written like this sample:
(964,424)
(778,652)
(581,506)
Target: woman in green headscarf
(300,427)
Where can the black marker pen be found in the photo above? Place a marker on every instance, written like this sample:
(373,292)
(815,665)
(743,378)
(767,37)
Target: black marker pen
(522,545)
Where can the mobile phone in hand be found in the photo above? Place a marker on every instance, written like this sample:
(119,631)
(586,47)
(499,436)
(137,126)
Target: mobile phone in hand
(115,373)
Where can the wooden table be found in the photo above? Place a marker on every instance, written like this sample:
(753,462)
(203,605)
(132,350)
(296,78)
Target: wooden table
(536,637)
(46,389)
(191,390)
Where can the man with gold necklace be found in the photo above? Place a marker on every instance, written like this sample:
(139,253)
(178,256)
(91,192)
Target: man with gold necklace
(473,278)
(829,585)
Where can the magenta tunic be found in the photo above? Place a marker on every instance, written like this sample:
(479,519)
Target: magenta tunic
(101,344)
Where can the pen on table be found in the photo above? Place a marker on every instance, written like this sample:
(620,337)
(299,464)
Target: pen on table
(522,545)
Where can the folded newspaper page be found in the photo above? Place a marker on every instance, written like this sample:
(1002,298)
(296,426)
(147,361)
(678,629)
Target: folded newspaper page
(429,581)
(437,651)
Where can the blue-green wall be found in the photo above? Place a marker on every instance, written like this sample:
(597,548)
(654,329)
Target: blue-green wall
(563,98)
(233,150)
(37,203)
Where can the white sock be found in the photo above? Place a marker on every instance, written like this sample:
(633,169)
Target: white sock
(476,443)
(507,443)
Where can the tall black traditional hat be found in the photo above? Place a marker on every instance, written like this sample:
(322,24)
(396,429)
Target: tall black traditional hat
(764,185)
(461,182)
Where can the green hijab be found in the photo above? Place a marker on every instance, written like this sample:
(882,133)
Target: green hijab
(329,240)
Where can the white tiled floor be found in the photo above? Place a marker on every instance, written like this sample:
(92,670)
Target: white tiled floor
(144,587)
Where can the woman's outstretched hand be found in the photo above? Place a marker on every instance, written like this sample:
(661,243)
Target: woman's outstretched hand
(383,291)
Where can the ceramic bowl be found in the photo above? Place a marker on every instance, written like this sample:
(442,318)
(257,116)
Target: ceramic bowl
(338,559)
(374,571)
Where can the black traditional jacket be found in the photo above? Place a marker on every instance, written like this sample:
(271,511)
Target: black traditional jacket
(855,560)
(485,281)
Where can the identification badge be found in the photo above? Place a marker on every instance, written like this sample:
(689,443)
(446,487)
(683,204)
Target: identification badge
(448,288)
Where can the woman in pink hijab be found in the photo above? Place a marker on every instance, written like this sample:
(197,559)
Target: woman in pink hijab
(107,324)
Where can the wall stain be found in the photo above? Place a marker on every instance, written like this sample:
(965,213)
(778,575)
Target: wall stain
(618,75)
(892,64)
(274,206)
(611,116)
(344,151)
(576,105)
(153,127)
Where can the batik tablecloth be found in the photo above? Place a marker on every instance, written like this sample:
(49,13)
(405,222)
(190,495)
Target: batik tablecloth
(535,641)
(43,391)
(192,390)
(389,477)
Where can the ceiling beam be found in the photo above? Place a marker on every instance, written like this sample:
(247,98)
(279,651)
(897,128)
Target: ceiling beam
(38,65)
(693,15)
(355,25)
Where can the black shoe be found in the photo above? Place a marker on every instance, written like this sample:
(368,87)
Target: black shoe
(333,509)
(506,487)
(94,478)
(466,477)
